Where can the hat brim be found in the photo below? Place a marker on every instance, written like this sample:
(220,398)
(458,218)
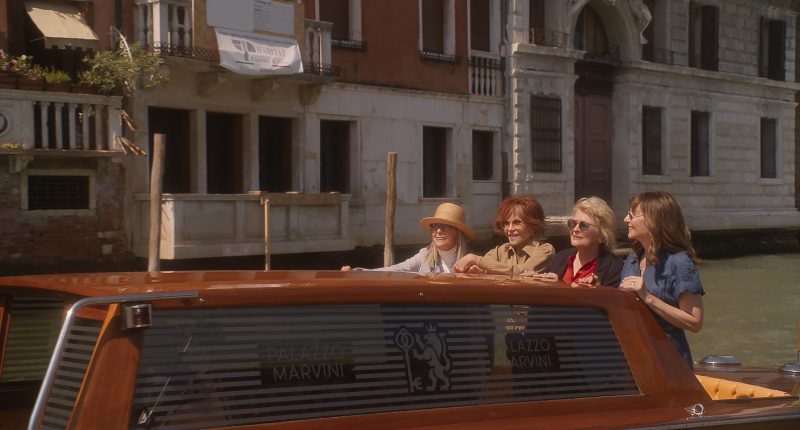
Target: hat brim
(426,222)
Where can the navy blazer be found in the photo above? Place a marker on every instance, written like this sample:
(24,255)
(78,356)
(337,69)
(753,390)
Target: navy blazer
(609,266)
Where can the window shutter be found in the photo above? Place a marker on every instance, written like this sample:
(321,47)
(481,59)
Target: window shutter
(536,21)
(768,150)
(651,140)
(433,26)
(710,38)
(763,47)
(700,144)
(479,15)
(777,50)
(338,13)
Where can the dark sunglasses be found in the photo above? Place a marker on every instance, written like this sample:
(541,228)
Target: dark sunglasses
(582,225)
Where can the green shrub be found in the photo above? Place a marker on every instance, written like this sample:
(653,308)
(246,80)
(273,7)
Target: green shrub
(112,70)
(54,76)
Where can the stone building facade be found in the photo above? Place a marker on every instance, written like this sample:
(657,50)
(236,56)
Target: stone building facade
(478,98)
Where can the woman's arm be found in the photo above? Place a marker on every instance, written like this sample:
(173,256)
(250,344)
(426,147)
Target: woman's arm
(413,264)
(688,315)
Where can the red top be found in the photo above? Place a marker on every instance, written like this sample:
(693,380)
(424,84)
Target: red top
(585,270)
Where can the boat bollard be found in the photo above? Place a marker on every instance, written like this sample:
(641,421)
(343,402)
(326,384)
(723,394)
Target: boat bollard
(720,362)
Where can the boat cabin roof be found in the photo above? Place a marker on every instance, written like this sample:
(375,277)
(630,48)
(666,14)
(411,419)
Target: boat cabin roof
(329,349)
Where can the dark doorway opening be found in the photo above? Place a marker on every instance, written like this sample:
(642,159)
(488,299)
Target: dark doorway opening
(174,123)
(275,154)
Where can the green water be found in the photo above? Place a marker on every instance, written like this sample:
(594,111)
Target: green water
(752,308)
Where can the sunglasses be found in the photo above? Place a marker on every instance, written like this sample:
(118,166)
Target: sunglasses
(582,225)
(516,223)
(442,227)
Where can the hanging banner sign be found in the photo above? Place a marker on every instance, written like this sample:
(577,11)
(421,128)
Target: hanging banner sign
(256,54)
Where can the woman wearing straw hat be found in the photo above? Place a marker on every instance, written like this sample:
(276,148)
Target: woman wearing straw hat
(449,235)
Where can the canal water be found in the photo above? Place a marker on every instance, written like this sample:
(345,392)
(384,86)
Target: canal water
(752,309)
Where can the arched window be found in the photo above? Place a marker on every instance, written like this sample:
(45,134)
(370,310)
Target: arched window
(590,33)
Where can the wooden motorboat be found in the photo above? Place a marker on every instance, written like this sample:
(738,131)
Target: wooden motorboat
(354,350)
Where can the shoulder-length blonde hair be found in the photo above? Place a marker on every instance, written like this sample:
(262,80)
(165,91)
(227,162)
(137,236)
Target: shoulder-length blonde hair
(604,218)
(665,223)
(433,253)
(530,210)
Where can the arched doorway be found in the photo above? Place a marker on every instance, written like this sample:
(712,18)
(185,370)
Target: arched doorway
(593,119)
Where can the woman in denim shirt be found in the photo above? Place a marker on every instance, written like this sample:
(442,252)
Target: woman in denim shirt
(661,269)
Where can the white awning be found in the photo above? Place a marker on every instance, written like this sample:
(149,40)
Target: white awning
(256,54)
(61,24)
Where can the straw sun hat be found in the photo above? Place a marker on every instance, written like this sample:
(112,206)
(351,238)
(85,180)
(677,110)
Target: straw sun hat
(450,214)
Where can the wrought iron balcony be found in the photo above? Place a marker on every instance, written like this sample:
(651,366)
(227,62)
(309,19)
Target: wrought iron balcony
(165,25)
(545,37)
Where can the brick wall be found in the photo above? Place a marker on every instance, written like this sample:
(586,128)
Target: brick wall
(47,238)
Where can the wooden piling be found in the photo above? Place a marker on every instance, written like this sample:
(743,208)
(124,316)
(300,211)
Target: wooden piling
(156,180)
(265,203)
(391,200)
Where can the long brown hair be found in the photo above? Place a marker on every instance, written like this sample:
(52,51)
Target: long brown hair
(665,223)
(530,209)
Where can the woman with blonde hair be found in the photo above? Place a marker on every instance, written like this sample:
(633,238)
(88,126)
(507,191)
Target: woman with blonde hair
(591,259)
(521,220)
(449,235)
(661,268)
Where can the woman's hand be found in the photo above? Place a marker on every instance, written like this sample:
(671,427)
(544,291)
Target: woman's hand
(468,264)
(346,268)
(550,276)
(587,281)
(635,284)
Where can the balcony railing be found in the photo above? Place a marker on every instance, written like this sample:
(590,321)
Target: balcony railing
(486,75)
(316,52)
(545,37)
(657,55)
(216,225)
(598,50)
(165,25)
(64,121)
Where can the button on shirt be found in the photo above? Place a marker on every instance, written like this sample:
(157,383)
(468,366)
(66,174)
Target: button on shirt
(673,275)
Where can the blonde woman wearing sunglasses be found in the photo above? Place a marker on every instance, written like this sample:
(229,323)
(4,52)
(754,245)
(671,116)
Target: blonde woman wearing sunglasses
(449,235)
(591,260)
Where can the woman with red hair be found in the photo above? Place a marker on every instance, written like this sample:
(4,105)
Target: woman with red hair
(521,220)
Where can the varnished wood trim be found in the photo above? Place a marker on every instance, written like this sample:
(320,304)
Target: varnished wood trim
(107,391)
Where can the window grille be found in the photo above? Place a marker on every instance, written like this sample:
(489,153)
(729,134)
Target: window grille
(32,335)
(58,192)
(434,161)
(227,367)
(546,134)
(334,148)
(651,140)
(769,150)
(700,144)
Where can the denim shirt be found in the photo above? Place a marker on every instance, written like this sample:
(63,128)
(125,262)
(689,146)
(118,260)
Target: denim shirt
(674,275)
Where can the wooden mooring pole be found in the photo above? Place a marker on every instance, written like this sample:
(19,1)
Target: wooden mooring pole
(156,179)
(391,200)
(265,203)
